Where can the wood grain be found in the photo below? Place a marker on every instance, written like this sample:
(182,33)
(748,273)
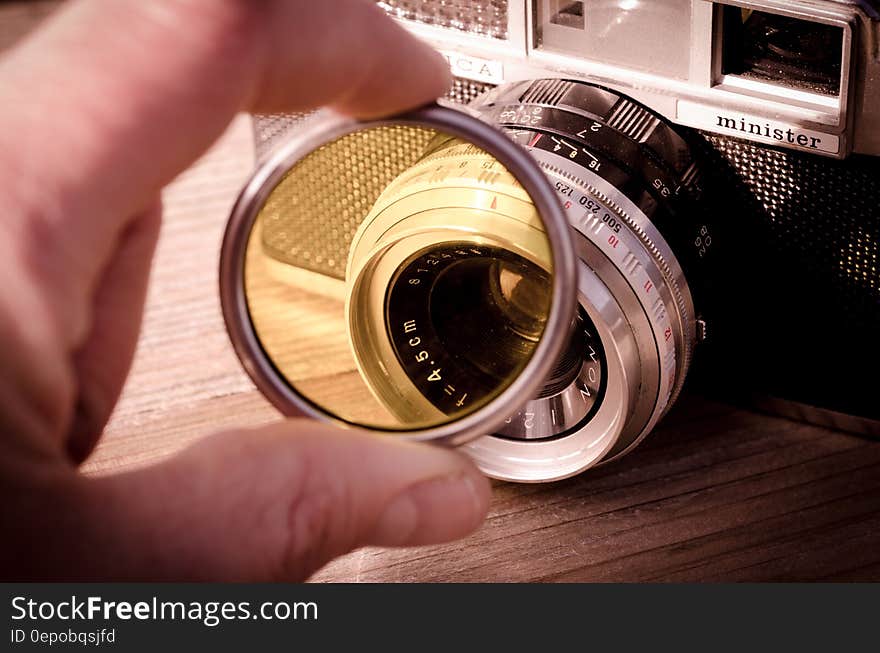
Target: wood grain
(716,493)
(299,317)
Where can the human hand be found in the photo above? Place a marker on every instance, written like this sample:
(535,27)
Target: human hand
(100,109)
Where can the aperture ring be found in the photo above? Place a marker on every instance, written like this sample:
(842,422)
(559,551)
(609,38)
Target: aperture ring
(684,312)
(577,135)
(657,140)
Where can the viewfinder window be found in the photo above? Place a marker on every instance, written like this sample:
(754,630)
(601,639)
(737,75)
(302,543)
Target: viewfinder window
(782,50)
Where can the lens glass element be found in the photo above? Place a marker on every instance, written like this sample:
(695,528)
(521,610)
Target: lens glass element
(398,278)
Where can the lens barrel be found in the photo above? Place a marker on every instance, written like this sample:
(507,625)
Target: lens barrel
(468,279)
(449,284)
(631,187)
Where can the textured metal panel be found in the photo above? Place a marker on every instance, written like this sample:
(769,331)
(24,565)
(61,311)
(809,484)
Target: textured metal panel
(464,91)
(307,225)
(482,17)
(797,305)
(320,240)
(269,128)
(819,212)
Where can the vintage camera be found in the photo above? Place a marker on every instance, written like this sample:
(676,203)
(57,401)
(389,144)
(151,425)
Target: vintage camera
(718,163)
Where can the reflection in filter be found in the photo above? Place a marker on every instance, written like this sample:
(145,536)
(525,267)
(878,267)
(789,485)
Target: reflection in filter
(296,258)
(398,278)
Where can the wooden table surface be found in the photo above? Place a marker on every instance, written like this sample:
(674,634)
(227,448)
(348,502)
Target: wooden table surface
(716,493)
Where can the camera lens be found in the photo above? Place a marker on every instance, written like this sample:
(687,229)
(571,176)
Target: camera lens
(630,186)
(449,279)
(482,311)
(449,284)
(458,291)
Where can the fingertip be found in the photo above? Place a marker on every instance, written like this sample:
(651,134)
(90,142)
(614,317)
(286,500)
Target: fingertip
(434,511)
(279,501)
(411,74)
(441,73)
(387,491)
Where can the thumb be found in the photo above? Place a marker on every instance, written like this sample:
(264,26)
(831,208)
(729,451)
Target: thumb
(277,503)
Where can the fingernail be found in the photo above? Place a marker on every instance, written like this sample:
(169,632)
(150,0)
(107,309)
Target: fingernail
(433,511)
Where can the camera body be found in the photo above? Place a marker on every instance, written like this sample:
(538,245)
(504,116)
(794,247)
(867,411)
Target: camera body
(803,75)
(781,102)
(719,163)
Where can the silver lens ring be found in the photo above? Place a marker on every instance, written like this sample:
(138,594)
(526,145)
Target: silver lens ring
(592,143)
(557,458)
(663,297)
